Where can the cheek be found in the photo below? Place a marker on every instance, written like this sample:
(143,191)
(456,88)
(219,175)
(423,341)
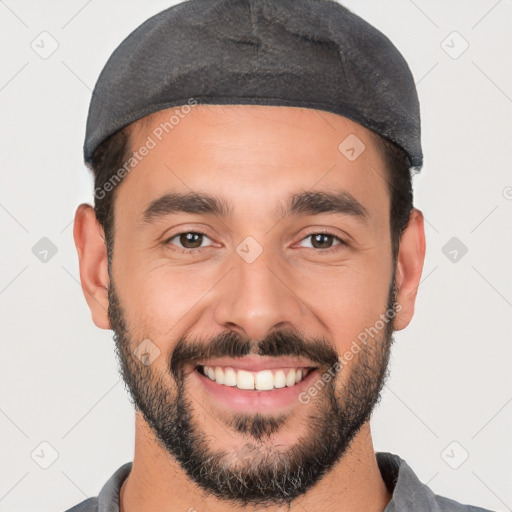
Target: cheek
(348,300)
(160,297)
(161,300)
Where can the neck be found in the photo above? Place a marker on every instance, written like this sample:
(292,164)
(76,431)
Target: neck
(157,482)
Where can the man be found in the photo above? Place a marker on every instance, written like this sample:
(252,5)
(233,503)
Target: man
(253,246)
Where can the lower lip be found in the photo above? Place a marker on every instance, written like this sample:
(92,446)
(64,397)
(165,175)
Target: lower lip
(255,400)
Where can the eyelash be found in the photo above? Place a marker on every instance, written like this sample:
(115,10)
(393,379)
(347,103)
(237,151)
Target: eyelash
(201,249)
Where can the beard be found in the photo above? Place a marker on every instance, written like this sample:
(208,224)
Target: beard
(259,472)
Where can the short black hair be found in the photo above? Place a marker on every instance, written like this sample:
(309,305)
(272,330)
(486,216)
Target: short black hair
(114,152)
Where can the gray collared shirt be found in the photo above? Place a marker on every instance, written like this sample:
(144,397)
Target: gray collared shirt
(408,493)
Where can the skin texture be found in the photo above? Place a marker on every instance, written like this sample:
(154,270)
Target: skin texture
(253,157)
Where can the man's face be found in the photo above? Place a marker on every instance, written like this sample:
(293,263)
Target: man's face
(272,291)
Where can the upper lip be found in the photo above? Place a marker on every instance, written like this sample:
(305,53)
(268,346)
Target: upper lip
(258,363)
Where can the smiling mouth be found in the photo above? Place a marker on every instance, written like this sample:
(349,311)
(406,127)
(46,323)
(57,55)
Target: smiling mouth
(263,380)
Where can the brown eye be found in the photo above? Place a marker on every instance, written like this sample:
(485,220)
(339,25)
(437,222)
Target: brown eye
(323,241)
(188,240)
(191,240)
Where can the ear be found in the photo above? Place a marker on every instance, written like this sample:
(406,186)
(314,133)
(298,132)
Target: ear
(92,256)
(409,268)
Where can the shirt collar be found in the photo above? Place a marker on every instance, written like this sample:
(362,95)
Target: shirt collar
(406,489)
(108,498)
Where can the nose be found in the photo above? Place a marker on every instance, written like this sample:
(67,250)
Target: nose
(258,297)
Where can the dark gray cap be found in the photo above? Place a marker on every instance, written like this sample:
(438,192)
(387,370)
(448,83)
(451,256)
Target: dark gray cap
(302,53)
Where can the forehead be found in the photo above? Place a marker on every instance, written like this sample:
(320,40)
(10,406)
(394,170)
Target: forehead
(253,155)
(241,124)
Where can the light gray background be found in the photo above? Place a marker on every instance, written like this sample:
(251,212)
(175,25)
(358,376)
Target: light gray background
(450,373)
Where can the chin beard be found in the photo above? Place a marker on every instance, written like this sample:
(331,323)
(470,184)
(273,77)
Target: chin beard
(259,472)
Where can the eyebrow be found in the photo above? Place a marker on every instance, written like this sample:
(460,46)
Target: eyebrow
(301,203)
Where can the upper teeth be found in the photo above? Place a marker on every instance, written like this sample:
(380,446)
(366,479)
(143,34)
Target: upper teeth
(263,380)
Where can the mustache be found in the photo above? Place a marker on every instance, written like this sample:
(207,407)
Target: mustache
(230,344)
